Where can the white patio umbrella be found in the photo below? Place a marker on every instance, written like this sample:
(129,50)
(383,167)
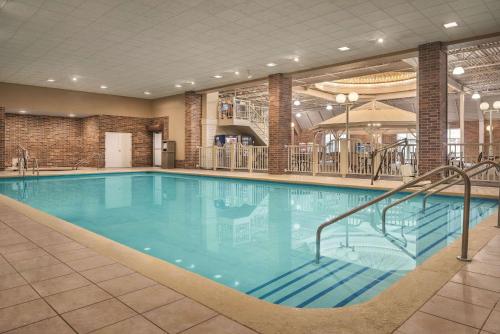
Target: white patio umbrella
(372,117)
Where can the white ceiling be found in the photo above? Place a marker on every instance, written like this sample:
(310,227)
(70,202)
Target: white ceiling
(137,45)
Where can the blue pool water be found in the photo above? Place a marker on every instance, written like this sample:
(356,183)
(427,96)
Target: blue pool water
(256,237)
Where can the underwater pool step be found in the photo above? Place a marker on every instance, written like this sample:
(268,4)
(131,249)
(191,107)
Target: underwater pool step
(326,284)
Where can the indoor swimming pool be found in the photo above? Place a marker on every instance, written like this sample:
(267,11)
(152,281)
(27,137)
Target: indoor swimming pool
(254,236)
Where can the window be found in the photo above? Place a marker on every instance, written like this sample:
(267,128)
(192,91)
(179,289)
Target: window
(454,147)
(407,135)
(332,145)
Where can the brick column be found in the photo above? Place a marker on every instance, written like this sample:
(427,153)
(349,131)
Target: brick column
(2,138)
(432,106)
(280,118)
(192,123)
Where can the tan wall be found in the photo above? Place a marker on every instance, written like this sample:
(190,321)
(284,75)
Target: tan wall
(174,108)
(60,102)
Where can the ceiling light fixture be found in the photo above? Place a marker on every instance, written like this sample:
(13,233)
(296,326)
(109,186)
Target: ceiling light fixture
(298,115)
(22,111)
(178,86)
(496,105)
(71,115)
(296,59)
(192,83)
(271,64)
(74,79)
(484,106)
(476,96)
(380,40)
(459,70)
(104,87)
(329,107)
(296,103)
(147,93)
(50,80)
(450,25)
(236,73)
(344,48)
(217,76)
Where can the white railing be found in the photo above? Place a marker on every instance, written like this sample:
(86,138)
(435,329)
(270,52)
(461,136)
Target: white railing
(466,155)
(234,157)
(395,157)
(356,159)
(312,158)
(359,158)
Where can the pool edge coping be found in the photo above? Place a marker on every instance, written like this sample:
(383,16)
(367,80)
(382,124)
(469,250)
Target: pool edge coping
(259,177)
(382,314)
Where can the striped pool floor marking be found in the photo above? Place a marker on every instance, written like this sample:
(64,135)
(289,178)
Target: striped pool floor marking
(304,287)
(296,279)
(280,277)
(333,287)
(364,289)
(421,236)
(429,247)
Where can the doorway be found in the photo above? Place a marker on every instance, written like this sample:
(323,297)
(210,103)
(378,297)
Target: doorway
(157,138)
(118,149)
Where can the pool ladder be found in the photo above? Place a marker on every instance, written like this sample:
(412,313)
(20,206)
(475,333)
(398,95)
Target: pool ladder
(457,173)
(23,160)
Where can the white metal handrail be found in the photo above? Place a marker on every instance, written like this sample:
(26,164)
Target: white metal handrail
(466,212)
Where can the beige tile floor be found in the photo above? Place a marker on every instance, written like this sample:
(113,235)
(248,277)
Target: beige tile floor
(52,284)
(468,303)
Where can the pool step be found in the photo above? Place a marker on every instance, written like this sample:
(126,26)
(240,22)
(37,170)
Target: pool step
(331,283)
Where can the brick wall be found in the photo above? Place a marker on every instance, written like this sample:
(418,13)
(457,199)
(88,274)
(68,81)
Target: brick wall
(54,141)
(280,118)
(192,121)
(432,103)
(62,141)
(305,136)
(142,139)
(2,138)
(90,142)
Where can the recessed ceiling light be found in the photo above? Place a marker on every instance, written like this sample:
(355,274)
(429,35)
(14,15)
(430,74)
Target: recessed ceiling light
(71,115)
(51,80)
(298,115)
(217,76)
(74,79)
(459,70)
(450,25)
(329,107)
(380,40)
(344,48)
(147,93)
(296,59)
(22,111)
(236,73)
(178,86)
(271,64)
(104,87)
(192,83)
(296,103)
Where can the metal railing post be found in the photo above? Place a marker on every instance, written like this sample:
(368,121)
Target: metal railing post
(465,224)
(250,158)
(214,157)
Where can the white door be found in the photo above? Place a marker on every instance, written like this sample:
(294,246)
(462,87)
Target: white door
(118,149)
(157,149)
